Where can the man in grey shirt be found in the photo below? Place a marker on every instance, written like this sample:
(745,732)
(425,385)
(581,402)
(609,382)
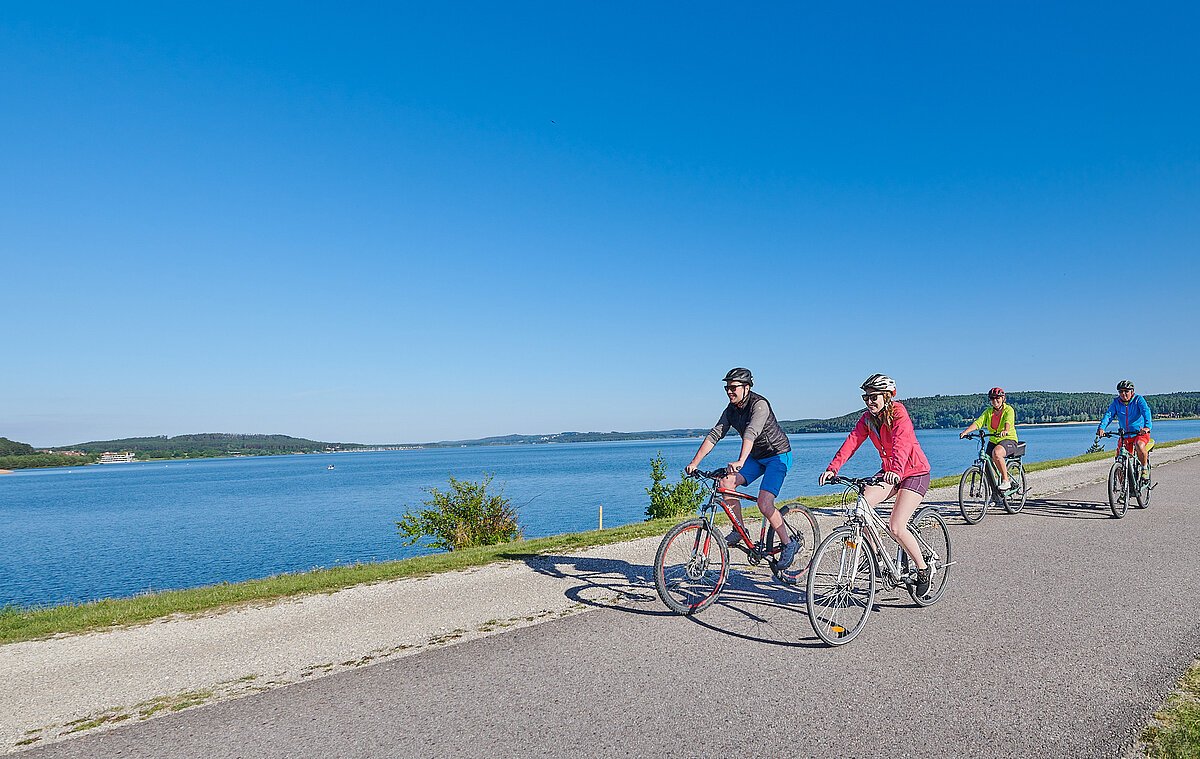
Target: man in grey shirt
(766,452)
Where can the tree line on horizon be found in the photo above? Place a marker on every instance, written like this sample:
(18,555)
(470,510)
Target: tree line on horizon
(929,412)
(1031,407)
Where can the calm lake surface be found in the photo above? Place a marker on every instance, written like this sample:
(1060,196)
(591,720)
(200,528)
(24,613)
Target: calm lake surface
(79,534)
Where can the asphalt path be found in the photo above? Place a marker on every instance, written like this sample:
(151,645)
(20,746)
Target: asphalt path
(1061,632)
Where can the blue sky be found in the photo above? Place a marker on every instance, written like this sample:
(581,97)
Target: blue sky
(357,222)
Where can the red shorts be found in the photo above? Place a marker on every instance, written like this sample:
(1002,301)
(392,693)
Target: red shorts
(1129,442)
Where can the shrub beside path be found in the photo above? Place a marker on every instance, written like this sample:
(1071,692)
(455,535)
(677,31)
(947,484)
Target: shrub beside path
(60,687)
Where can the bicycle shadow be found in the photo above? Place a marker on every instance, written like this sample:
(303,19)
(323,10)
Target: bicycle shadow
(600,582)
(1057,508)
(753,606)
(1067,508)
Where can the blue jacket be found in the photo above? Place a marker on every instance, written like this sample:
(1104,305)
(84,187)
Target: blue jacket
(1131,417)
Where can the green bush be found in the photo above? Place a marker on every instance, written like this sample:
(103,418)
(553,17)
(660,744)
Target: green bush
(676,500)
(466,515)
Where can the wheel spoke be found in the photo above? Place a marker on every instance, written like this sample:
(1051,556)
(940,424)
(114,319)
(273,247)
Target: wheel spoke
(841,588)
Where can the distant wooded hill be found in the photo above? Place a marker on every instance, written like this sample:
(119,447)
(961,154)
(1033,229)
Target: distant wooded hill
(13,448)
(209,444)
(936,412)
(14,455)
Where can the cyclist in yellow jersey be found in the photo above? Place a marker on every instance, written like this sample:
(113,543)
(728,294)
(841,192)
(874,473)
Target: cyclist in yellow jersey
(1001,422)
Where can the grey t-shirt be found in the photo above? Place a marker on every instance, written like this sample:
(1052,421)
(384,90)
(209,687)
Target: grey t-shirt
(753,421)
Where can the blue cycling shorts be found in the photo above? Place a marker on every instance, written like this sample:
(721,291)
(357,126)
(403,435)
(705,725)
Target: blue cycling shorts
(774,467)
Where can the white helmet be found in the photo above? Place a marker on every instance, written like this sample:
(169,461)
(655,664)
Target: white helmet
(877,383)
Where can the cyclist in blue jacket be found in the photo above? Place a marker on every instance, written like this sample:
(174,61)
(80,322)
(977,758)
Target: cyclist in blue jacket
(1133,417)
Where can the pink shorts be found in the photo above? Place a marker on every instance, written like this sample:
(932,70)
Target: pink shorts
(917,483)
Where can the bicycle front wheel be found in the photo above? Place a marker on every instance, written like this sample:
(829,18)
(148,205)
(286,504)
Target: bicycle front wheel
(841,587)
(1014,500)
(1118,489)
(802,526)
(973,495)
(691,566)
(932,534)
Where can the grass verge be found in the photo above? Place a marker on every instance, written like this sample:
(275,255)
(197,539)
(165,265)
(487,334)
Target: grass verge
(18,624)
(1175,731)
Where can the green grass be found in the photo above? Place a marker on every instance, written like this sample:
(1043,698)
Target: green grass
(18,624)
(1175,733)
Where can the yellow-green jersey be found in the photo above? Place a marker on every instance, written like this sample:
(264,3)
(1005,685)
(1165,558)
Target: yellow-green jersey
(1001,424)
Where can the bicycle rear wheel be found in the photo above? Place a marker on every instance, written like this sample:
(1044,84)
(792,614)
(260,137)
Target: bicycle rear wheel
(1014,500)
(973,494)
(1143,489)
(931,532)
(801,526)
(841,587)
(691,566)
(1118,489)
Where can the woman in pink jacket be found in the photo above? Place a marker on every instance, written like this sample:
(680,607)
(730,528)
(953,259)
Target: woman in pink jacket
(905,471)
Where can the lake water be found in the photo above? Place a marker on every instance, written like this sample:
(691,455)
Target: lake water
(84,533)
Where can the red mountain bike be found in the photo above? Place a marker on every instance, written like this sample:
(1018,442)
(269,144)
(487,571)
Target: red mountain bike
(692,562)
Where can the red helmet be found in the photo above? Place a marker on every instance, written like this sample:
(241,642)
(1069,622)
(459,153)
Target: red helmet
(996,392)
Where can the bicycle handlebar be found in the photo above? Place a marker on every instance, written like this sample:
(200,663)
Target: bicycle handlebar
(854,482)
(1116,433)
(714,475)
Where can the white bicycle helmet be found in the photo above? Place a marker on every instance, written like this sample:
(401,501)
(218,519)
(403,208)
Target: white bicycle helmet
(879,383)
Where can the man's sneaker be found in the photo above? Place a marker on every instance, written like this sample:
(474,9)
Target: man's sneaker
(788,556)
(922,585)
(733,538)
(1005,487)
(1145,475)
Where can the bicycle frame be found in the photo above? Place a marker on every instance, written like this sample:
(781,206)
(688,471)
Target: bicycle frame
(1130,463)
(866,521)
(986,465)
(755,550)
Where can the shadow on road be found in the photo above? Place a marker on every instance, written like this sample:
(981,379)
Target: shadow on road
(601,582)
(1067,508)
(753,605)
(1061,508)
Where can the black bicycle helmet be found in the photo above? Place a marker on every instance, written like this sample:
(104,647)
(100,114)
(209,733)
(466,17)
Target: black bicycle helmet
(739,374)
(1124,385)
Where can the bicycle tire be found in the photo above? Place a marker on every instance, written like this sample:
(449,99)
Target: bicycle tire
(1014,500)
(802,526)
(933,535)
(1143,490)
(691,566)
(840,597)
(973,492)
(1118,490)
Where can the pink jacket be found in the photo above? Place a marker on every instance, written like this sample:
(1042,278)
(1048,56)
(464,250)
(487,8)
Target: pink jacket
(897,445)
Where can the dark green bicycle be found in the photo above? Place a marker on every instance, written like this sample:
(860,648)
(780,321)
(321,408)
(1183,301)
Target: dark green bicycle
(980,483)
